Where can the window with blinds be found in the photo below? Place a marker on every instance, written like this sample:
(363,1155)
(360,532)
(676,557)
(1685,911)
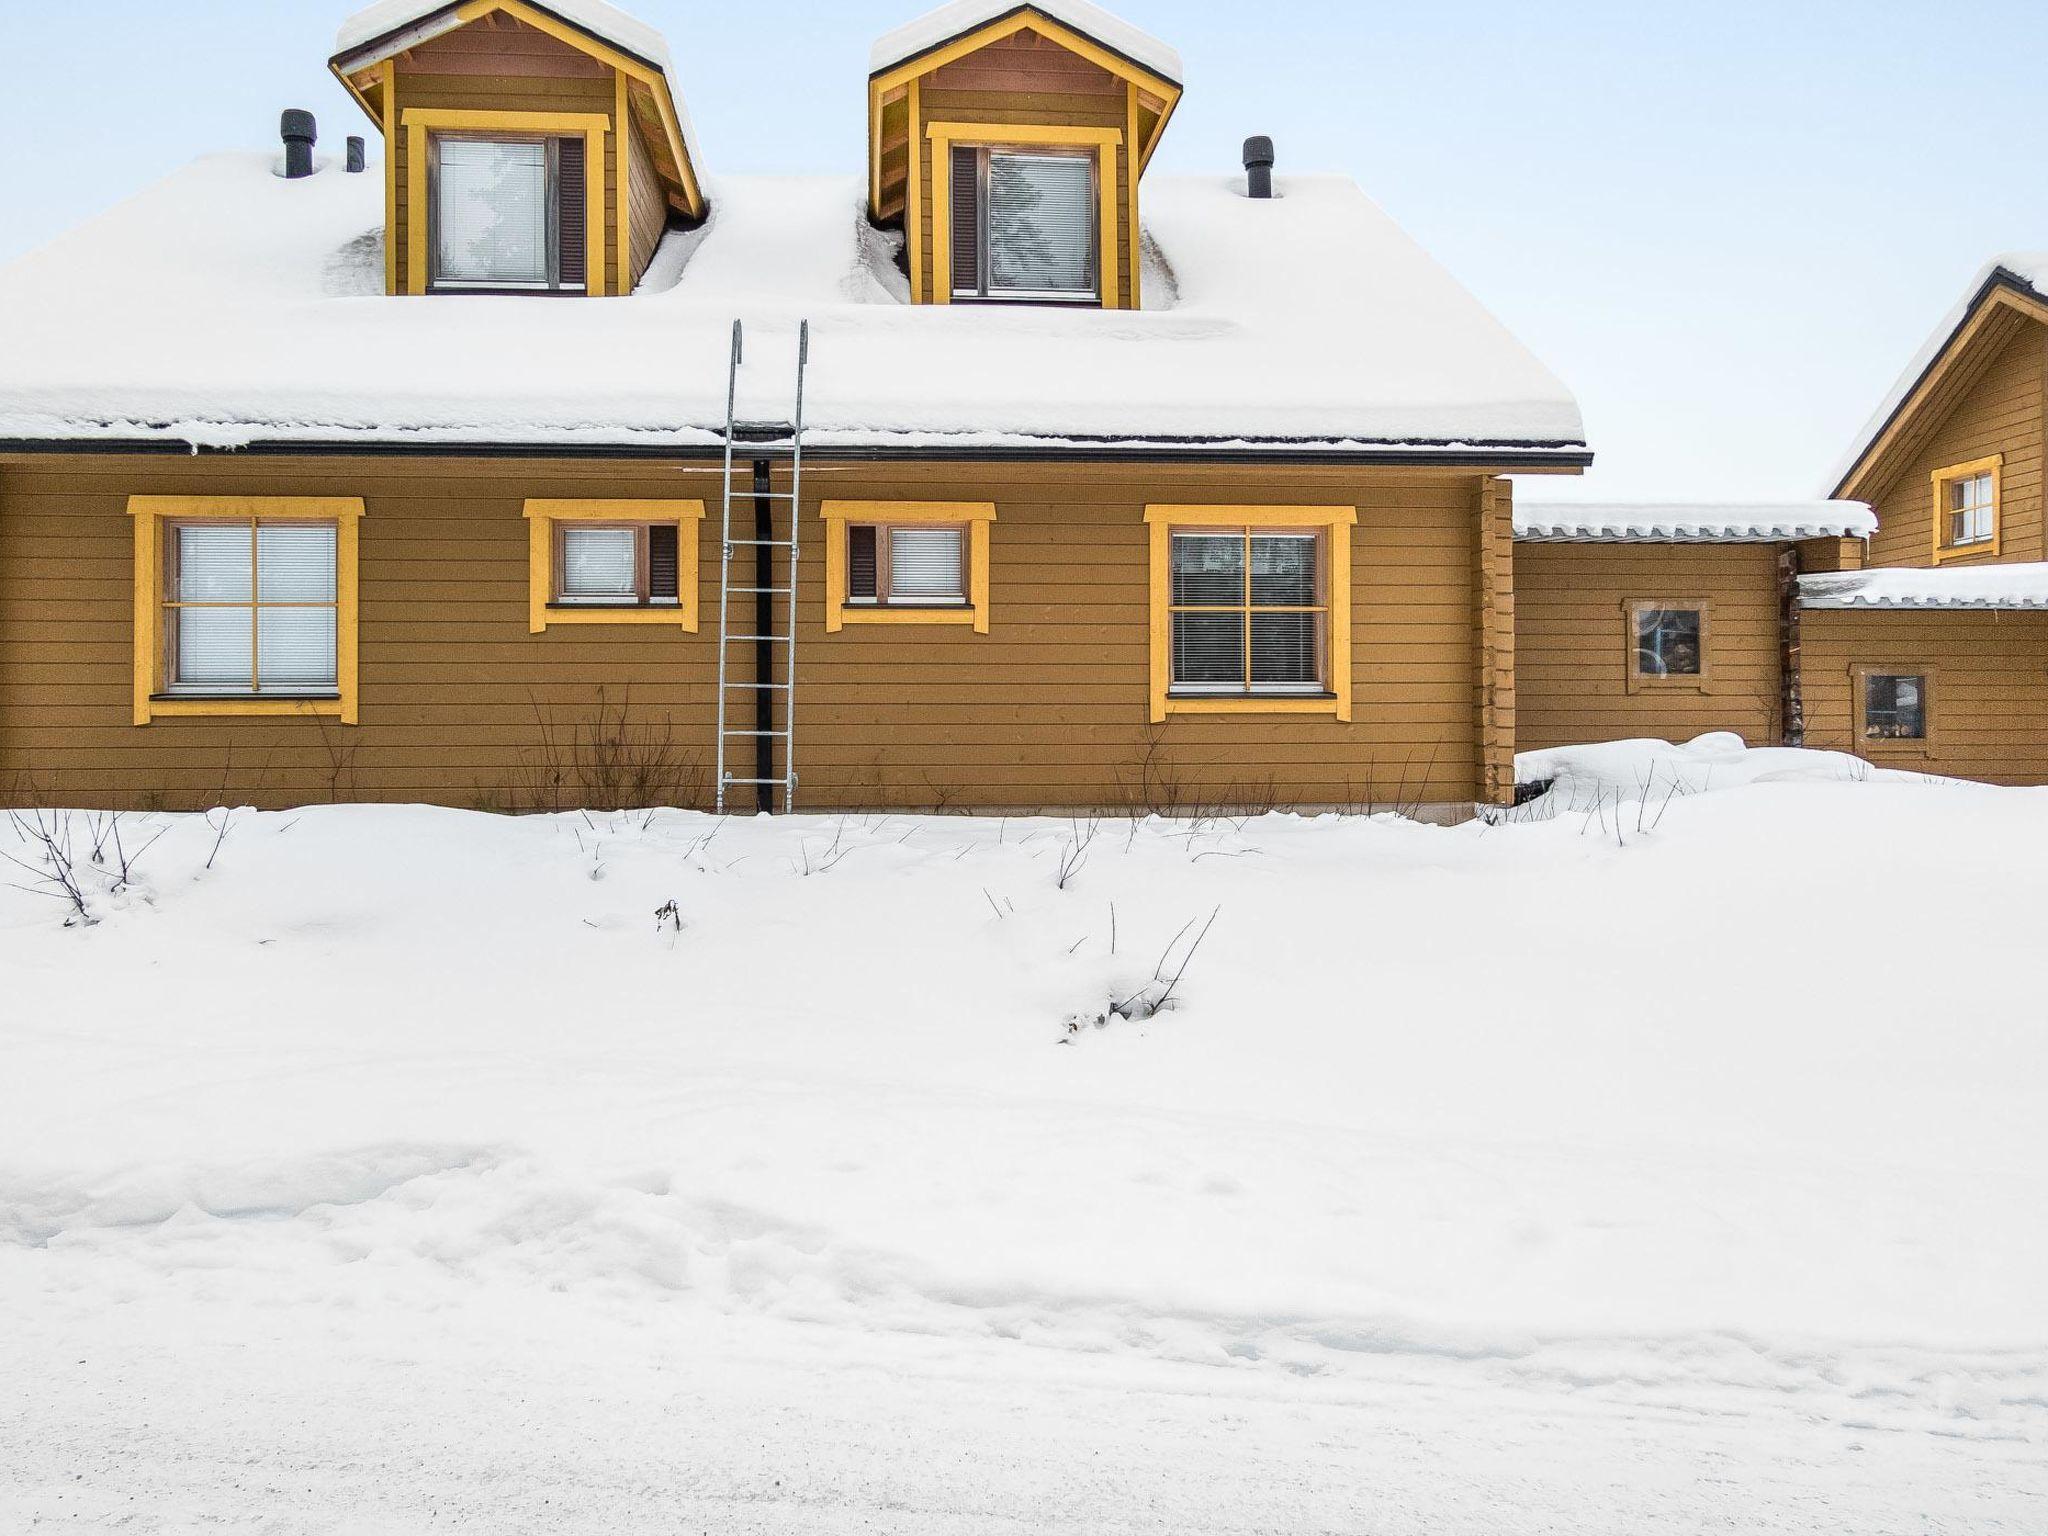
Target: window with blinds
(1024,225)
(251,608)
(905,566)
(1248,612)
(622,565)
(508,212)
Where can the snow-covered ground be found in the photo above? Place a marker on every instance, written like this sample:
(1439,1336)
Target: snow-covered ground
(403,1173)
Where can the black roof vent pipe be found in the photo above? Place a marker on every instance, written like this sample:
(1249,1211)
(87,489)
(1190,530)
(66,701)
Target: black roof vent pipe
(1258,167)
(300,134)
(358,155)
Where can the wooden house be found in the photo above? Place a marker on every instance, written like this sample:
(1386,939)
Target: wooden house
(1118,491)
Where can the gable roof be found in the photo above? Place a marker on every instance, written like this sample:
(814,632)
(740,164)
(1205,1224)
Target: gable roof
(2010,588)
(1691,523)
(228,306)
(606,23)
(950,23)
(2019,279)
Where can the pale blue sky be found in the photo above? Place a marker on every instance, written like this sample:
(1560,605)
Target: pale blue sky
(1726,225)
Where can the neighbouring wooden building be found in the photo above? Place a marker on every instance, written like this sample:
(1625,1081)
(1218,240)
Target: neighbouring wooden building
(1117,491)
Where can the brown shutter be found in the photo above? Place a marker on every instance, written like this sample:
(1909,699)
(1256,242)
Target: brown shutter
(572,212)
(967,221)
(663,563)
(861,564)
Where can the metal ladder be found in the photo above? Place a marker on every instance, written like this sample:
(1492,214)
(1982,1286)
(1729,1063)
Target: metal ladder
(760,435)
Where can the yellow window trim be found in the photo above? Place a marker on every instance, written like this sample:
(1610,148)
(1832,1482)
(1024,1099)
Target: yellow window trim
(541,519)
(150,513)
(1860,674)
(1336,523)
(1640,681)
(975,516)
(422,122)
(1103,141)
(1943,479)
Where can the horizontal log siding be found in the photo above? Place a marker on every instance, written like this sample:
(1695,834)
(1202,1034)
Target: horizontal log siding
(1999,413)
(1990,688)
(459,701)
(1571,646)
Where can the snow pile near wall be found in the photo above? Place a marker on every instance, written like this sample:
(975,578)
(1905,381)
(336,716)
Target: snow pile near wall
(1689,523)
(404,1125)
(1648,769)
(208,310)
(2009,587)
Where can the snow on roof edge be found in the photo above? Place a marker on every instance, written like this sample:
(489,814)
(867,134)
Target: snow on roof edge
(937,28)
(1691,523)
(2026,270)
(2014,588)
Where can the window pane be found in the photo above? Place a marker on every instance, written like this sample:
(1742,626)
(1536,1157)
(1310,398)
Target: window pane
(214,565)
(1668,642)
(1041,224)
(924,565)
(1284,571)
(1208,570)
(1208,650)
(296,648)
(493,213)
(600,565)
(1284,650)
(295,563)
(214,649)
(1895,708)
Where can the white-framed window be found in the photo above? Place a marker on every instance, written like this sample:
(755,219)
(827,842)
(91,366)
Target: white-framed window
(251,608)
(1025,225)
(617,565)
(1249,614)
(509,212)
(1966,509)
(903,565)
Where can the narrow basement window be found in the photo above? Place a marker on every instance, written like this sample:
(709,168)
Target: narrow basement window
(1894,706)
(1670,642)
(509,213)
(895,565)
(624,565)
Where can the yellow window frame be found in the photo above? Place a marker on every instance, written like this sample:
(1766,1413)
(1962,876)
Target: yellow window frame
(1873,748)
(1639,681)
(422,123)
(151,515)
(975,516)
(1944,551)
(543,517)
(1104,142)
(1335,524)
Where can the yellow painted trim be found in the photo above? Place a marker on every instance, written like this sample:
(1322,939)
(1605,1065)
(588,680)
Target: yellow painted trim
(1103,141)
(540,562)
(1036,21)
(389,124)
(1987,549)
(1134,236)
(875,149)
(975,516)
(913,199)
(422,122)
(150,513)
(1639,681)
(622,154)
(1337,523)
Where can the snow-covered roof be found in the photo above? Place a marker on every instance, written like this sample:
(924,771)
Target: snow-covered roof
(607,23)
(1681,523)
(227,306)
(2026,270)
(948,22)
(1975,586)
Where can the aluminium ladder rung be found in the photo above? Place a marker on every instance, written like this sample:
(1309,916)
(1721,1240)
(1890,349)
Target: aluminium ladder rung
(778,783)
(765,591)
(762,735)
(760,544)
(753,495)
(758,639)
(760,687)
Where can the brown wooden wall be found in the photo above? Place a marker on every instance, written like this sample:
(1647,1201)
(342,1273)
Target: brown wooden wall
(1030,81)
(1998,411)
(499,65)
(461,705)
(1989,688)
(1572,642)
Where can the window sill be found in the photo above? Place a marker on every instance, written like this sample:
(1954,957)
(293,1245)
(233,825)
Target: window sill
(1640,684)
(1987,550)
(958,615)
(673,617)
(1258,704)
(188,706)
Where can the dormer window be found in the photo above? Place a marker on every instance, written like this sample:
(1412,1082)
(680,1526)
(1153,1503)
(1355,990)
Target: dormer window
(509,213)
(1025,226)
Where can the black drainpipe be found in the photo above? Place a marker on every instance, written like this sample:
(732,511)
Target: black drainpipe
(764,624)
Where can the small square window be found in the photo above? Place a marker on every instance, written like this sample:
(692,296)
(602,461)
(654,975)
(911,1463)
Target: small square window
(617,565)
(902,566)
(1670,642)
(1966,509)
(1894,706)
(1247,612)
(1024,225)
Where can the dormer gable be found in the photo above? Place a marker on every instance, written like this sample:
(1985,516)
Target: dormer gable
(528,147)
(1009,143)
